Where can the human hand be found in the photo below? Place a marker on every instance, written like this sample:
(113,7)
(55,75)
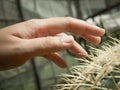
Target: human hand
(44,37)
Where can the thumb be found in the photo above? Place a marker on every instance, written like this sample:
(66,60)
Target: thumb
(50,44)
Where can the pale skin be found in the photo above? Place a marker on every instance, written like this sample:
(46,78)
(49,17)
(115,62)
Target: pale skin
(44,37)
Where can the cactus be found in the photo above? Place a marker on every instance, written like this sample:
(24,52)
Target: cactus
(99,72)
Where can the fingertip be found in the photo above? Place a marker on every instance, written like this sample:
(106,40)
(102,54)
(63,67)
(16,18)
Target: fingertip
(64,65)
(92,39)
(82,55)
(99,31)
(61,64)
(96,40)
(103,32)
(56,58)
(79,50)
(94,30)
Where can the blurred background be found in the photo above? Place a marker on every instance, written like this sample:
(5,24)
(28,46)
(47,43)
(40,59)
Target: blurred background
(39,73)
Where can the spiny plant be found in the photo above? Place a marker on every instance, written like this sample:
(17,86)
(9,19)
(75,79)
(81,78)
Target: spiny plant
(99,72)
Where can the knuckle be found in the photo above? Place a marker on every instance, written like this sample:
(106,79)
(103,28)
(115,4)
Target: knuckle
(34,23)
(70,19)
(53,42)
(49,41)
(69,22)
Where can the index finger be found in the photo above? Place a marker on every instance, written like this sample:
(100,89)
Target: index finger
(68,24)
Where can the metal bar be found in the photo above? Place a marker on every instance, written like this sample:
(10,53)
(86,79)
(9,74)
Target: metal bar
(3,11)
(78,10)
(103,11)
(37,77)
(18,2)
(19,78)
(53,72)
(69,2)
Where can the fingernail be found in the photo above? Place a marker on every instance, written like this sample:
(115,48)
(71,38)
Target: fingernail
(67,39)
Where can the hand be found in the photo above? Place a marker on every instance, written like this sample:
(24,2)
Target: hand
(44,37)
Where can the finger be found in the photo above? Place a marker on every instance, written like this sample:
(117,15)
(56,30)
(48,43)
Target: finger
(58,25)
(78,50)
(55,57)
(79,27)
(91,38)
(45,45)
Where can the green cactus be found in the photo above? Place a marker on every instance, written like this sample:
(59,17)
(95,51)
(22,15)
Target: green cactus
(99,72)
